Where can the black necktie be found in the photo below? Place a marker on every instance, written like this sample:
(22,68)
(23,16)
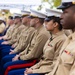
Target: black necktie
(51,37)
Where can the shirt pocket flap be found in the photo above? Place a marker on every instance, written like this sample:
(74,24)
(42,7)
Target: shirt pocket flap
(67,58)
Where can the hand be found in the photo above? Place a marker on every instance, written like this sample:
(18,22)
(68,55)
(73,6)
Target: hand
(5,43)
(11,51)
(13,46)
(1,38)
(28,71)
(25,74)
(15,58)
(25,71)
(4,37)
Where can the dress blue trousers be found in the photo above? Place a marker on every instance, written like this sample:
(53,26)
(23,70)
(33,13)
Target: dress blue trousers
(7,61)
(21,72)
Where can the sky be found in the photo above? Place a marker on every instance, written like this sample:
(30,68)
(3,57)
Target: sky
(26,2)
(6,4)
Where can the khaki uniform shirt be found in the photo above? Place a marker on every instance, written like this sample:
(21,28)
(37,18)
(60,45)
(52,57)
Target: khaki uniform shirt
(67,32)
(35,48)
(19,37)
(2,28)
(9,32)
(16,33)
(65,64)
(24,39)
(50,53)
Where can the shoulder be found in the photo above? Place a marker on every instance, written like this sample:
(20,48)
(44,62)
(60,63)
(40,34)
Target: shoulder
(21,26)
(31,29)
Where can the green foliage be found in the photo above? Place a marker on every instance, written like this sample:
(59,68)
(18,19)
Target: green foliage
(44,0)
(40,7)
(52,3)
(57,3)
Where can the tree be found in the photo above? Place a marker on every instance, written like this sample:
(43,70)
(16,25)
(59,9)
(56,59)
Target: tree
(57,3)
(52,3)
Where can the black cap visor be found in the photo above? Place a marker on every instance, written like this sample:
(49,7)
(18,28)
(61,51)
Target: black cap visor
(65,5)
(48,18)
(31,17)
(17,17)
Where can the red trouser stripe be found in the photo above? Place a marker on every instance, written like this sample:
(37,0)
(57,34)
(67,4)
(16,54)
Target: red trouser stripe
(19,66)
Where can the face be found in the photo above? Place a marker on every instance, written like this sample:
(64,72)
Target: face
(67,19)
(10,21)
(33,22)
(49,25)
(16,20)
(25,20)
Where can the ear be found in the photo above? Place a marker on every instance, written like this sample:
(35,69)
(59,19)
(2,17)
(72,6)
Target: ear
(37,20)
(55,24)
(74,16)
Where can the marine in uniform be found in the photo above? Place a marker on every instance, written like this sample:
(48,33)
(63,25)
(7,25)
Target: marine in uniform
(65,64)
(9,23)
(2,26)
(8,32)
(35,47)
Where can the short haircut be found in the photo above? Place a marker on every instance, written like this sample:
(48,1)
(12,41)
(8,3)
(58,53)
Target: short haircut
(10,17)
(41,20)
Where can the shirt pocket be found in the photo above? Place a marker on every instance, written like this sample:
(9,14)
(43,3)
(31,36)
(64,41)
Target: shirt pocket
(67,58)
